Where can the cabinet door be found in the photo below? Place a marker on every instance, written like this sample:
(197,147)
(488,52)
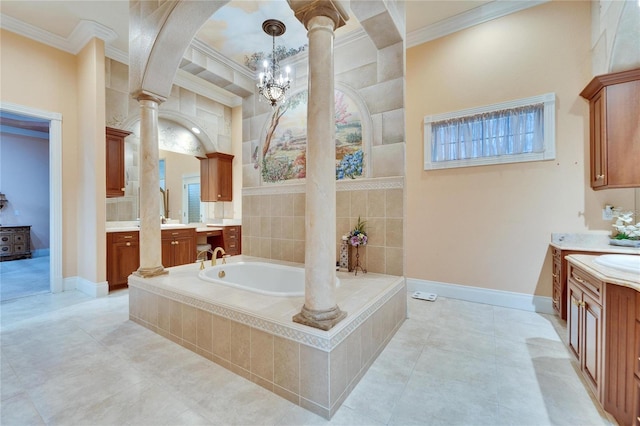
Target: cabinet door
(225,181)
(573,318)
(622,131)
(115,161)
(125,260)
(184,251)
(620,347)
(598,108)
(592,342)
(216,182)
(167,252)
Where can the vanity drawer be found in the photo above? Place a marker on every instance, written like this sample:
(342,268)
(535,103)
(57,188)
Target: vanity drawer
(591,285)
(122,237)
(178,233)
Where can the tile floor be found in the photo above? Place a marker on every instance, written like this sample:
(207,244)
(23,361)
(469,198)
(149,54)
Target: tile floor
(68,359)
(24,277)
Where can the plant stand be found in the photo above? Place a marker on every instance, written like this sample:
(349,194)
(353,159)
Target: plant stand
(357,264)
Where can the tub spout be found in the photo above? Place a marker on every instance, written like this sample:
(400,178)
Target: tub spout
(215,255)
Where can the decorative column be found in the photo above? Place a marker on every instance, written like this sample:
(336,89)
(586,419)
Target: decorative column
(320,309)
(150,230)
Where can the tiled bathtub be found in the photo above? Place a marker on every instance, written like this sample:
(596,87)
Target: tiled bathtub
(253,335)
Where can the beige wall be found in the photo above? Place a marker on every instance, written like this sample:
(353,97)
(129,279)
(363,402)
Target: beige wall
(38,76)
(490,226)
(92,256)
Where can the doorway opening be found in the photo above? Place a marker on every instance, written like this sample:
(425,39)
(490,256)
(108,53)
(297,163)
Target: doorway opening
(31,135)
(191,205)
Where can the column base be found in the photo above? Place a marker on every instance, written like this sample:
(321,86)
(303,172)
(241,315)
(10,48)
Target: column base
(151,272)
(324,320)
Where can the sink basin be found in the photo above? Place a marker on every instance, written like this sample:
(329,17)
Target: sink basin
(621,262)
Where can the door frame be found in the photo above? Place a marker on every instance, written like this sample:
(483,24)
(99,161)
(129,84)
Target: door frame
(55,187)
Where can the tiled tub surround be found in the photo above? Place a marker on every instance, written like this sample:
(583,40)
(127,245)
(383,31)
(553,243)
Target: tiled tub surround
(253,335)
(273,224)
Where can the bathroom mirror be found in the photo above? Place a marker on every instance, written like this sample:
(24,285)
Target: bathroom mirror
(178,155)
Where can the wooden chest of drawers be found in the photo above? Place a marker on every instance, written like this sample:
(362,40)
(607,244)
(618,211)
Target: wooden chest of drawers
(15,242)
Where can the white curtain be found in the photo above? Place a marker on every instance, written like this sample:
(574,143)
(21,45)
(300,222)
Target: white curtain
(506,132)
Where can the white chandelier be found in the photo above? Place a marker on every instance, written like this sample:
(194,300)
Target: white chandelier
(272,84)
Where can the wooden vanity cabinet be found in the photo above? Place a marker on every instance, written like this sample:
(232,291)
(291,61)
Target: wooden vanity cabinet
(178,246)
(559,274)
(584,324)
(123,257)
(115,161)
(231,240)
(622,354)
(614,129)
(216,182)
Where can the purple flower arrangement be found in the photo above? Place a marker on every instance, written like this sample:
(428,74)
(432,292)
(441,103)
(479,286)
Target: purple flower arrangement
(358,237)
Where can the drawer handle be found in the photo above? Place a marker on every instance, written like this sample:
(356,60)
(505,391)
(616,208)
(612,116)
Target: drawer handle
(555,275)
(128,244)
(128,236)
(175,233)
(577,278)
(599,177)
(579,303)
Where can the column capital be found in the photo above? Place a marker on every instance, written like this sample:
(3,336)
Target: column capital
(304,10)
(143,95)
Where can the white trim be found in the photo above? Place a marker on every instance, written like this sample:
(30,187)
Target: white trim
(81,34)
(396,182)
(87,287)
(55,187)
(507,299)
(549,152)
(468,19)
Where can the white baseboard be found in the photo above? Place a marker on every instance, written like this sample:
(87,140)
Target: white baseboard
(507,299)
(85,286)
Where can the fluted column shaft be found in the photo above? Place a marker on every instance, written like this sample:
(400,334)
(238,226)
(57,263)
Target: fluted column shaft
(150,230)
(320,309)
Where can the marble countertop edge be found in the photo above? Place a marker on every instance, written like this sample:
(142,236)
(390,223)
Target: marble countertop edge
(603,273)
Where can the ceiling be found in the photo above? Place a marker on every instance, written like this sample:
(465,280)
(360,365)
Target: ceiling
(235,30)
(214,65)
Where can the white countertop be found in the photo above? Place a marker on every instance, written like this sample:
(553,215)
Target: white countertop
(199,227)
(595,242)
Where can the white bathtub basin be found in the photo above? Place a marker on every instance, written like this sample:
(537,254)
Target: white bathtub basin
(621,262)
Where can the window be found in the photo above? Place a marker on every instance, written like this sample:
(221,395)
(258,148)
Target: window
(509,132)
(161,170)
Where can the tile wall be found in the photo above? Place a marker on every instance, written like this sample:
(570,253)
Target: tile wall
(273,226)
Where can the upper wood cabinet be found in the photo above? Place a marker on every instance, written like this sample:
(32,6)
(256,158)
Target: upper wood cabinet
(216,183)
(115,161)
(614,127)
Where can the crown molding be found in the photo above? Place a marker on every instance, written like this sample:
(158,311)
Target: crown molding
(116,54)
(81,34)
(470,18)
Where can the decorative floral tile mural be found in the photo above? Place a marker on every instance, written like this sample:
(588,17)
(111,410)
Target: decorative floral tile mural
(282,155)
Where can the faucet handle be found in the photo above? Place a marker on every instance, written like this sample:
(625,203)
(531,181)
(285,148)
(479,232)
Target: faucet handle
(224,258)
(201,265)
